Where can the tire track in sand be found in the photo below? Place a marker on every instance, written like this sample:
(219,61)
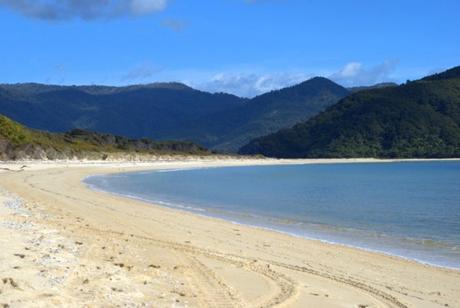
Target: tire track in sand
(286,285)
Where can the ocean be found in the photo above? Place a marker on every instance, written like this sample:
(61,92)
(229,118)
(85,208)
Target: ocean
(407,209)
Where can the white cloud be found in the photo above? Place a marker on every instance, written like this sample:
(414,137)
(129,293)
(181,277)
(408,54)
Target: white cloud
(355,74)
(350,70)
(249,84)
(84,9)
(141,7)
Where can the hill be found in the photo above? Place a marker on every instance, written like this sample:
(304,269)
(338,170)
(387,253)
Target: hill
(19,142)
(229,130)
(166,111)
(156,111)
(418,119)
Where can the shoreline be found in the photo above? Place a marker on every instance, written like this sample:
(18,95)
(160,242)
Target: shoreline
(197,261)
(232,160)
(202,212)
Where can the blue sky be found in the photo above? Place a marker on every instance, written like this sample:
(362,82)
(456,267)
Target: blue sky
(244,47)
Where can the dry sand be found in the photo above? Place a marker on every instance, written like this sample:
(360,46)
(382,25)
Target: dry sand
(62,244)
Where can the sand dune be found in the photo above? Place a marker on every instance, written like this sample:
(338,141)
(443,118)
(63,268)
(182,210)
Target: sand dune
(65,245)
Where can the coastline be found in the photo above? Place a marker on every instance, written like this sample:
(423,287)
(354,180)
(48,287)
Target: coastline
(276,268)
(313,236)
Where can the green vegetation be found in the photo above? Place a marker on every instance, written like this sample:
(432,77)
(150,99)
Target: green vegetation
(167,111)
(267,113)
(13,131)
(19,142)
(161,111)
(417,119)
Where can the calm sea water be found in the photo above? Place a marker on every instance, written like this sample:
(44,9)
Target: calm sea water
(409,209)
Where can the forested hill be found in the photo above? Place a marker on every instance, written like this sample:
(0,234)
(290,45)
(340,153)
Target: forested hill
(267,113)
(167,111)
(19,142)
(417,119)
(157,111)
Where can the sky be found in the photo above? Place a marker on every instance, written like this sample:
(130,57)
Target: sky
(244,47)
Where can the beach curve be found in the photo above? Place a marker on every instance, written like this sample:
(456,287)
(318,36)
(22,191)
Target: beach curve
(198,261)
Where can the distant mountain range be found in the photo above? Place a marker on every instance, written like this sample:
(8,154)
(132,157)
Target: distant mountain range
(19,142)
(228,130)
(157,111)
(316,118)
(166,111)
(417,119)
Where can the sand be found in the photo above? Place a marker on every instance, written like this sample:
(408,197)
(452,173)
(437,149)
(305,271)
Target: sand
(62,244)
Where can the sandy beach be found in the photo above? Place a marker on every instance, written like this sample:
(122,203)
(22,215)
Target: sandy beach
(62,244)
